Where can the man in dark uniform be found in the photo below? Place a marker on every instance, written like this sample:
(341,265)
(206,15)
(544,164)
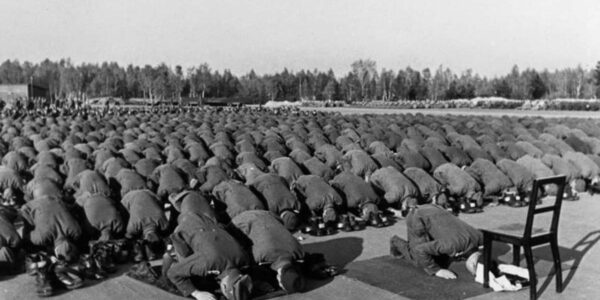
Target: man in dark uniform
(461,186)
(129,180)
(274,190)
(319,196)
(147,222)
(169,179)
(359,196)
(272,244)
(10,241)
(206,251)
(234,197)
(103,217)
(435,238)
(10,180)
(92,183)
(50,226)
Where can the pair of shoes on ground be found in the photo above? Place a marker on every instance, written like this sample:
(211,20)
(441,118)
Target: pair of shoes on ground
(51,274)
(513,201)
(99,262)
(349,223)
(145,251)
(469,207)
(377,219)
(317,227)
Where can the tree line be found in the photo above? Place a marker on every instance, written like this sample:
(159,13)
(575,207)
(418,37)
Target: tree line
(362,83)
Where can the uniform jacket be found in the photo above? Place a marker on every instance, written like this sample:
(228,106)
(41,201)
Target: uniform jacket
(433,231)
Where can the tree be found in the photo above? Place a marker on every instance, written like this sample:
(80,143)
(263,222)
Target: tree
(132,79)
(177,83)
(385,85)
(401,85)
(350,87)
(200,80)
(364,72)
(597,79)
(502,88)
(439,83)
(330,89)
(537,88)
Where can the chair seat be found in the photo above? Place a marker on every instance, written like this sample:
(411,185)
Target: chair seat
(516,239)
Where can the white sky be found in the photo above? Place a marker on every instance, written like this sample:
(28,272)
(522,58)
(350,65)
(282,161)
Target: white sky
(267,35)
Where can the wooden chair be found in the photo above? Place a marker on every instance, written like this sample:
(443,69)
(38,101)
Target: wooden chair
(528,240)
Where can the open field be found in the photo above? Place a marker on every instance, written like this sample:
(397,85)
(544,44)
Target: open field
(579,234)
(463,112)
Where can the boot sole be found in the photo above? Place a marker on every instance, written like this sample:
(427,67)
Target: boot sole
(74,286)
(47,293)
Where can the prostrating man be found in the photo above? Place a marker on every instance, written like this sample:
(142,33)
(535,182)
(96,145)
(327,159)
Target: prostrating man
(435,238)
(50,226)
(272,244)
(10,241)
(206,252)
(147,223)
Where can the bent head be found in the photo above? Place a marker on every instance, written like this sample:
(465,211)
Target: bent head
(441,198)
(407,205)
(329,215)
(578,185)
(65,250)
(289,278)
(290,219)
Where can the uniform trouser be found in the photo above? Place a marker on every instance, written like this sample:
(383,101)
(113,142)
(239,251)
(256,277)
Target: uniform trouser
(181,273)
(404,249)
(7,261)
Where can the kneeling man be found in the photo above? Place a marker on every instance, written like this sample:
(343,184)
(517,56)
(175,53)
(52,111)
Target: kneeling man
(436,238)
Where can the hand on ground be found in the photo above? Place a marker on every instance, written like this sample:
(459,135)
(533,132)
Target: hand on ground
(446,274)
(199,295)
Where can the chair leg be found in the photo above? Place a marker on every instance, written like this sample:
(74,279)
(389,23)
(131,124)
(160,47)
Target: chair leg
(487,259)
(516,255)
(531,267)
(557,263)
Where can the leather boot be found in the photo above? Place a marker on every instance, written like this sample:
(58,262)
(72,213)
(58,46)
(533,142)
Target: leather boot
(103,258)
(153,250)
(88,269)
(330,228)
(120,250)
(375,220)
(67,276)
(344,224)
(356,224)
(138,251)
(312,226)
(39,265)
(320,227)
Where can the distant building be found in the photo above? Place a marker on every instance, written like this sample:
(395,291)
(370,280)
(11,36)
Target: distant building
(12,92)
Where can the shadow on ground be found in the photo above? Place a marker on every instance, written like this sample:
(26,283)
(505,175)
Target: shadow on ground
(120,271)
(574,255)
(338,252)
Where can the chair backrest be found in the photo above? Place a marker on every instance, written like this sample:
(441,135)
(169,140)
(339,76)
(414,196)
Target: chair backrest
(538,184)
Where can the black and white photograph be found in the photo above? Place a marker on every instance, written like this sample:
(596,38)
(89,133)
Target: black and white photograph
(291,150)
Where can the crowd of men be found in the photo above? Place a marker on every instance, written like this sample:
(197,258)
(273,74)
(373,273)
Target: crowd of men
(217,192)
